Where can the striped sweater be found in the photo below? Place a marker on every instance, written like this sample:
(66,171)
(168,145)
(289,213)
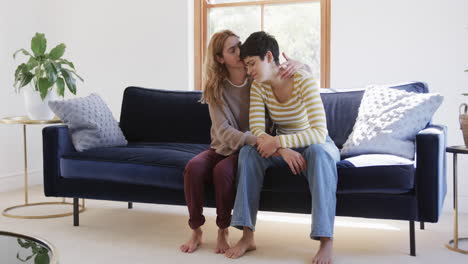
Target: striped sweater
(300,120)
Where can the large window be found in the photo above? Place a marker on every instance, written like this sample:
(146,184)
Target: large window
(300,26)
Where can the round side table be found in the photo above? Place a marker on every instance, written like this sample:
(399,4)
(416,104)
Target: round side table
(25,121)
(453,244)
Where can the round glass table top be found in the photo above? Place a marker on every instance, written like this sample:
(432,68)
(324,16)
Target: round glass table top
(457,149)
(26,121)
(18,248)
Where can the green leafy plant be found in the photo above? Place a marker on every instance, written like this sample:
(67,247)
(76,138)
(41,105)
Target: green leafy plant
(41,254)
(46,69)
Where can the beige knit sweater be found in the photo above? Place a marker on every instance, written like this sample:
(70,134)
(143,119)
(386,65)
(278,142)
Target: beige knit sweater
(230,122)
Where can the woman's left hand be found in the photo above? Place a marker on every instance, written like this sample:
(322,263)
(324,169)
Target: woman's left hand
(268,146)
(289,67)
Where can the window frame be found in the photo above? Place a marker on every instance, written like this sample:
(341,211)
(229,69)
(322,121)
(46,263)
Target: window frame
(201,8)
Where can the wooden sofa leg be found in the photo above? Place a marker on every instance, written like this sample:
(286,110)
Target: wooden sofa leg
(130,205)
(412,239)
(421,225)
(76,212)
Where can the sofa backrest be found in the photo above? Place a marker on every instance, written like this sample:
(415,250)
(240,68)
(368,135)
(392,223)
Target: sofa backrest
(342,109)
(152,115)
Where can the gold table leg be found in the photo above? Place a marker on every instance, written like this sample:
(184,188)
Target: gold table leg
(453,244)
(26,198)
(25,150)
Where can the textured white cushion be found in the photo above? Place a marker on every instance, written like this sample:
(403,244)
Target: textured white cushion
(388,121)
(90,122)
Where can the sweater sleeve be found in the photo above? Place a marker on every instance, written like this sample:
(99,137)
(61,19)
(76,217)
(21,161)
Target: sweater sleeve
(229,135)
(312,102)
(256,110)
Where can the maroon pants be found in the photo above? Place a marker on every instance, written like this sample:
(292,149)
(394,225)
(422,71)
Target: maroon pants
(207,168)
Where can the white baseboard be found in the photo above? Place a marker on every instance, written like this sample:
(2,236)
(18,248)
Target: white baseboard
(15,181)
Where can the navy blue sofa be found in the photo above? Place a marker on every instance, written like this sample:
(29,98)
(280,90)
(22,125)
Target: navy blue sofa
(165,129)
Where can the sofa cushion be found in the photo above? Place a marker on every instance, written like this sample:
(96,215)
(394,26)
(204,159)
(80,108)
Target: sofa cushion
(389,120)
(342,106)
(90,122)
(339,122)
(363,174)
(152,115)
(157,164)
(375,174)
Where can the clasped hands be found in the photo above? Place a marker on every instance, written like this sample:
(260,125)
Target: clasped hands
(268,146)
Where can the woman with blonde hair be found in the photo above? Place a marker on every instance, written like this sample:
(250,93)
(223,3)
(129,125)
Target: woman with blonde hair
(226,91)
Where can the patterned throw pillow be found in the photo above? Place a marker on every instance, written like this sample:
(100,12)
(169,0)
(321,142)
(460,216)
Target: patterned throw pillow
(90,122)
(388,121)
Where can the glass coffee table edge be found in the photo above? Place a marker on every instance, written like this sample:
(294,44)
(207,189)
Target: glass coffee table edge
(43,242)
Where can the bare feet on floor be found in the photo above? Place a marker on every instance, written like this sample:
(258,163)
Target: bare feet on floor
(222,244)
(325,253)
(245,244)
(193,243)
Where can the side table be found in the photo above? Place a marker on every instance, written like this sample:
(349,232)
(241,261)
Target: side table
(25,121)
(453,244)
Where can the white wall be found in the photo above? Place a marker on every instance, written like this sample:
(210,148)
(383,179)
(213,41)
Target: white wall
(148,43)
(390,41)
(121,43)
(19,20)
(113,44)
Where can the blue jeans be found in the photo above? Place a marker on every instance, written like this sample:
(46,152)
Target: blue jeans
(321,174)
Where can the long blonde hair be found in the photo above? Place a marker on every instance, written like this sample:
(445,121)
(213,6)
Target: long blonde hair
(214,73)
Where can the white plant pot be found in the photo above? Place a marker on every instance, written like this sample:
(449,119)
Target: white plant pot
(36,108)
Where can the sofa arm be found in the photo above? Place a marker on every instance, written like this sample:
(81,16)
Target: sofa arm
(431,183)
(56,142)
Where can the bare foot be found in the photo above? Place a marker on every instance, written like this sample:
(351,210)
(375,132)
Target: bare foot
(245,244)
(325,253)
(193,243)
(222,244)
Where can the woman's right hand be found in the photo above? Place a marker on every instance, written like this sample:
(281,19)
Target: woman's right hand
(288,68)
(294,159)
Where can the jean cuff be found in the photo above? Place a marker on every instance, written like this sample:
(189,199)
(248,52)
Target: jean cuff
(318,236)
(240,225)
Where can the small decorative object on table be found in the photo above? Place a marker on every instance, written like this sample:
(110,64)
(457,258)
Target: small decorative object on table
(44,71)
(464,120)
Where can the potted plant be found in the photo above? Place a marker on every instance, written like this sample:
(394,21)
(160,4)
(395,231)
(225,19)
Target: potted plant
(44,71)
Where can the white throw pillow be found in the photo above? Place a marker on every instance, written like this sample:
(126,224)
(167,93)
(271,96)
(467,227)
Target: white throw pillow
(90,122)
(388,121)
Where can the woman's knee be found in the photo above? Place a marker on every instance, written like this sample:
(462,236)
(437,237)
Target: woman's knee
(248,152)
(196,168)
(317,151)
(225,170)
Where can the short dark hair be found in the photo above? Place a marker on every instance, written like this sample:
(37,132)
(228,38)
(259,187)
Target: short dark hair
(258,44)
